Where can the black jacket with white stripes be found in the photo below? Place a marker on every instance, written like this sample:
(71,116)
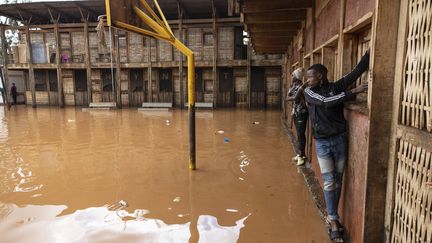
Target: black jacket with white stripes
(325,102)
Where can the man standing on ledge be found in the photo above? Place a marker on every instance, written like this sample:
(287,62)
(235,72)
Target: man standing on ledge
(325,104)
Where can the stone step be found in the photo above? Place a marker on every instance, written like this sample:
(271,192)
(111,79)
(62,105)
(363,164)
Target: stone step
(102,105)
(201,105)
(156,105)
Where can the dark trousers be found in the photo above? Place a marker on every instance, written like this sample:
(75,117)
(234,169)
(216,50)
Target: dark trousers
(14,97)
(300,122)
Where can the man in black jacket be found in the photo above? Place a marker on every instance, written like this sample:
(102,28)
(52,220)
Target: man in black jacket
(325,104)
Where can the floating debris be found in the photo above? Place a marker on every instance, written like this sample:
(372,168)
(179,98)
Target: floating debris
(226,140)
(123,203)
(231,210)
(177,199)
(255,123)
(221,132)
(139,214)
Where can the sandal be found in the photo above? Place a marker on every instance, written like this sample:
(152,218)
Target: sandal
(335,235)
(339,225)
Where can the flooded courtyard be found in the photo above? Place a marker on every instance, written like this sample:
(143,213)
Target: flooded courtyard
(69,175)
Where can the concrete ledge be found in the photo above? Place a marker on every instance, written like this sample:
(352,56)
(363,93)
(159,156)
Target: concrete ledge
(157,105)
(207,105)
(309,176)
(102,105)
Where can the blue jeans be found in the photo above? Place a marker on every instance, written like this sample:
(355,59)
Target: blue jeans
(332,155)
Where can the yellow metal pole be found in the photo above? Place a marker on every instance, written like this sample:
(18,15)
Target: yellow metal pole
(191,109)
(154,15)
(139,30)
(153,24)
(191,100)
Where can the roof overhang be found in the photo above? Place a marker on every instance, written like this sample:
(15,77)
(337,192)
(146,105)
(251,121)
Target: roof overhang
(272,25)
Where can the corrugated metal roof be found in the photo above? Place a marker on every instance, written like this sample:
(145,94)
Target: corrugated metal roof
(64,11)
(72,11)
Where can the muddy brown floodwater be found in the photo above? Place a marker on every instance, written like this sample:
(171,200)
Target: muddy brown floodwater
(68,175)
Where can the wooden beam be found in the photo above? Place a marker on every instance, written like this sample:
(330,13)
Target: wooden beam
(181,37)
(214,10)
(395,134)
(53,20)
(149,72)
(58,67)
(118,68)
(60,12)
(28,12)
(272,39)
(5,78)
(291,16)
(269,48)
(273,26)
(259,20)
(275,34)
(383,59)
(89,10)
(181,6)
(87,62)
(252,6)
(328,60)
(30,65)
(205,21)
(270,45)
(341,41)
(231,7)
(269,51)
(215,61)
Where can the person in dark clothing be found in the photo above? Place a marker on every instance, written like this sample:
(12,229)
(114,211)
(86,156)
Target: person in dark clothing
(299,113)
(14,94)
(325,100)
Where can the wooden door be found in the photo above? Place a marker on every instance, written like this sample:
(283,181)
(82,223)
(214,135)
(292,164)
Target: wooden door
(81,97)
(165,85)
(226,87)
(199,85)
(258,87)
(108,81)
(136,77)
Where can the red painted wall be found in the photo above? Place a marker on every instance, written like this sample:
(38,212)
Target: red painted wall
(309,40)
(327,22)
(355,9)
(295,53)
(352,201)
